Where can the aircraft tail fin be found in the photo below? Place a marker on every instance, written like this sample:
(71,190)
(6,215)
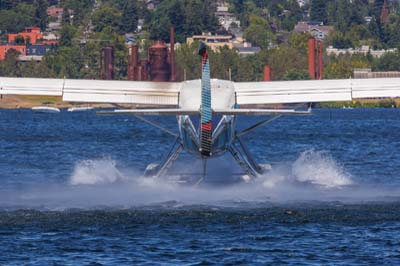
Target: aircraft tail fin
(206,112)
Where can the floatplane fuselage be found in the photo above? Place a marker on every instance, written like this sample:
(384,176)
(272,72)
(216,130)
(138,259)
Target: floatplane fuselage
(209,133)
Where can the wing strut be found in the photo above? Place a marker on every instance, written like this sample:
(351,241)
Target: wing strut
(169,159)
(260,124)
(154,124)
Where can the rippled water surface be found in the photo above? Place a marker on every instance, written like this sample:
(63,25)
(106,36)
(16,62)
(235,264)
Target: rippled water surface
(72,193)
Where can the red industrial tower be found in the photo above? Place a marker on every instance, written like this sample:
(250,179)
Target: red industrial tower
(132,61)
(315,58)
(172,53)
(107,63)
(160,65)
(267,73)
(158,60)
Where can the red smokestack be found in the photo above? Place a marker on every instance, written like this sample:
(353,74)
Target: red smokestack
(107,63)
(267,73)
(172,53)
(320,57)
(132,61)
(144,69)
(158,62)
(139,73)
(311,57)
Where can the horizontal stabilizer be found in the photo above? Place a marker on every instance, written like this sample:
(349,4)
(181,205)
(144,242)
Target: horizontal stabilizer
(151,112)
(260,112)
(169,111)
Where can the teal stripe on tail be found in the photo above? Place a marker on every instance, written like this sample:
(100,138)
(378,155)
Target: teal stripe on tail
(206,112)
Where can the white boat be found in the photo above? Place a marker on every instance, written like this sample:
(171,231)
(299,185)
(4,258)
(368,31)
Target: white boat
(45,109)
(79,109)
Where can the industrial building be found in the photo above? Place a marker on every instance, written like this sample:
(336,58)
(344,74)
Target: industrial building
(159,66)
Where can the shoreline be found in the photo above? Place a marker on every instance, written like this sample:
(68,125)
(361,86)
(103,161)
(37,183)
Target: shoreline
(27,102)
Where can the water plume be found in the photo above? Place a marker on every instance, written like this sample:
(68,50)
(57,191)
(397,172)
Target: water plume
(314,176)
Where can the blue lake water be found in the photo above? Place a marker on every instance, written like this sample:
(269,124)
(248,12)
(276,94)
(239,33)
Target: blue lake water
(72,193)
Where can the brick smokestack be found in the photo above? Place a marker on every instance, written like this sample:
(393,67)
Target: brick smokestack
(315,58)
(158,62)
(267,73)
(311,57)
(133,52)
(172,53)
(321,59)
(107,63)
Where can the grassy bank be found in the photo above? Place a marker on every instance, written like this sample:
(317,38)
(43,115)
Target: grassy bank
(367,103)
(15,102)
(12,101)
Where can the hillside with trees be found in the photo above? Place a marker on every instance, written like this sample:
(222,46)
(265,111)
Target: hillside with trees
(268,24)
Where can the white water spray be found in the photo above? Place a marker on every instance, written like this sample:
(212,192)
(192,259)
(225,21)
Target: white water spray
(319,168)
(314,176)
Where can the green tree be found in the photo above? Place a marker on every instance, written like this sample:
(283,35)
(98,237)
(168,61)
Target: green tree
(6,4)
(299,41)
(222,62)
(81,8)
(377,9)
(296,74)
(9,67)
(259,32)
(339,40)
(388,62)
(35,69)
(342,67)
(318,10)
(67,35)
(339,13)
(284,60)
(65,62)
(187,62)
(130,16)
(249,68)
(41,18)
(66,18)
(17,18)
(107,16)
(189,18)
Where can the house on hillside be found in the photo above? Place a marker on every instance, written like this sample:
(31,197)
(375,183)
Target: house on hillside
(4,48)
(317,29)
(30,34)
(213,41)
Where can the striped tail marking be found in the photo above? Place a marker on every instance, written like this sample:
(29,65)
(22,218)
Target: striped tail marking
(206,113)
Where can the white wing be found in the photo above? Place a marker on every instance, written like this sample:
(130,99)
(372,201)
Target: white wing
(249,93)
(31,86)
(95,91)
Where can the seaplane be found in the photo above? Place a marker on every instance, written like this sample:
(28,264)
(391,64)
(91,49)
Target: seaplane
(206,109)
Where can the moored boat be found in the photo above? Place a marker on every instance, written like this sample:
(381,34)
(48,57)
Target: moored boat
(45,109)
(80,109)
